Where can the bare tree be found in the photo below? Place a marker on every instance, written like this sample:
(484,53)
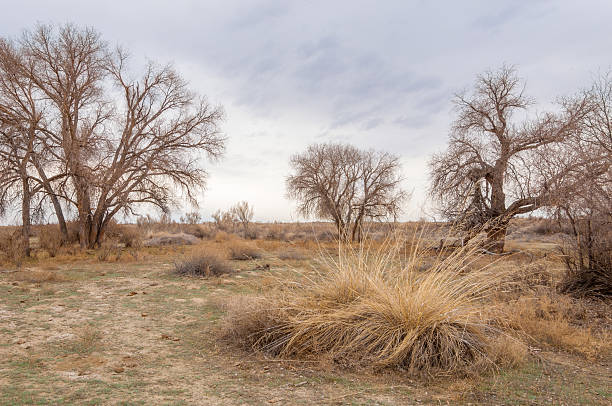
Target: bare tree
(19,122)
(347,185)
(156,146)
(497,165)
(111,143)
(243,213)
(67,65)
(588,209)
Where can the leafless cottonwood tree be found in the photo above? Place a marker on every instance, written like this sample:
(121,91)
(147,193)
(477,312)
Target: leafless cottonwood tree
(19,121)
(498,165)
(588,210)
(346,185)
(109,142)
(243,212)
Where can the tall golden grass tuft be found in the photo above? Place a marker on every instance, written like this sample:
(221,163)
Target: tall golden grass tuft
(379,306)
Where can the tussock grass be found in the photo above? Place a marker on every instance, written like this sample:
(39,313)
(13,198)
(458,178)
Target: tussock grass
(88,339)
(552,321)
(371,307)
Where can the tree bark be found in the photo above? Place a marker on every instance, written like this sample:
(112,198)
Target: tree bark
(25,216)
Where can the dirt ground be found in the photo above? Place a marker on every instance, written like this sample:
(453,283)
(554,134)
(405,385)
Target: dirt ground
(132,332)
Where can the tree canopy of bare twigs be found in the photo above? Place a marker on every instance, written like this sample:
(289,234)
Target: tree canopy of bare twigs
(588,209)
(347,185)
(95,138)
(500,162)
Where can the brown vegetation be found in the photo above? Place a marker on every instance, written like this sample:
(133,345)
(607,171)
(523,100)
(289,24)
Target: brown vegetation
(342,183)
(495,168)
(240,250)
(77,130)
(367,309)
(204,264)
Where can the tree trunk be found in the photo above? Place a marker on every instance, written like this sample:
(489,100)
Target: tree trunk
(25,216)
(496,237)
(59,213)
(84,210)
(98,225)
(60,218)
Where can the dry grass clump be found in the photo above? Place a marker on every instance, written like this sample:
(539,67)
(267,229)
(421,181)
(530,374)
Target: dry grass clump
(239,250)
(87,340)
(367,310)
(561,323)
(291,253)
(38,276)
(203,265)
(508,351)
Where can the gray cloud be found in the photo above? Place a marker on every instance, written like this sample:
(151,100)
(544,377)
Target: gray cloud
(376,74)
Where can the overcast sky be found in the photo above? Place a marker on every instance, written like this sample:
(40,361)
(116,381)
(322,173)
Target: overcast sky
(376,74)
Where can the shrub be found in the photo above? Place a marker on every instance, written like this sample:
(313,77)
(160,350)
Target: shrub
(12,246)
(197,231)
(107,250)
(50,239)
(130,237)
(203,265)
(366,310)
(242,251)
(291,254)
(275,232)
(191,218)
(225,220)
(588,259)
(73,232)
(160,239)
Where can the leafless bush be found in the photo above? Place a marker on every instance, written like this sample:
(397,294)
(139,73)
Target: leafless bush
(200,231)
(145,224)
(243,251)
(192,218)
(12,246)
(203,265)
(108,251)
(224,221)
(50,239)
(588,259)
(242,212)
(276,232)
(130,237)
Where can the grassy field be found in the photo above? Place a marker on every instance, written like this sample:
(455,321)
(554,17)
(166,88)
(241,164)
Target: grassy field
(125,329)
